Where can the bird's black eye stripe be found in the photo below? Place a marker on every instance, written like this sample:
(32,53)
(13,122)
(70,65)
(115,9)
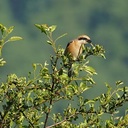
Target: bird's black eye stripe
(82,38)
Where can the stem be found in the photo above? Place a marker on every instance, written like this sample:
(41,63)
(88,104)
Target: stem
(65,119)
(53,65)
(50,103)
(27,119)
(52,41)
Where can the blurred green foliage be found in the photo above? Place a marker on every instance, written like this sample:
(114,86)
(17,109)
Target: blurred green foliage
(104,21)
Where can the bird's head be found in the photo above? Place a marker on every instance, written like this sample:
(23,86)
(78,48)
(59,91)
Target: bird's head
(84,39)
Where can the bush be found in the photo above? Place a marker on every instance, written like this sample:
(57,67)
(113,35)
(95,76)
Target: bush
(31,101)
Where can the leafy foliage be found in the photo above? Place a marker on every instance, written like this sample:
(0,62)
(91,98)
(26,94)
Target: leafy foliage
(29,102)
(5,32)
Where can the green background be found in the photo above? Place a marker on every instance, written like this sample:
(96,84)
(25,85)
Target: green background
(105,21)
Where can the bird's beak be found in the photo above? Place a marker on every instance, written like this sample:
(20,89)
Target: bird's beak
(89,41)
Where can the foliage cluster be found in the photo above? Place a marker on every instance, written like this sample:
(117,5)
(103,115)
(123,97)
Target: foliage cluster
(29,101)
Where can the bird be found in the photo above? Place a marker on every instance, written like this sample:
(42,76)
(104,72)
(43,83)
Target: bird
(74,49)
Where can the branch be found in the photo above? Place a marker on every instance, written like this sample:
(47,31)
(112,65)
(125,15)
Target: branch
(27,119)
(65,119)
(53,65)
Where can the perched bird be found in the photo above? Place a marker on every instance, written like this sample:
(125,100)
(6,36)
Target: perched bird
(74,49)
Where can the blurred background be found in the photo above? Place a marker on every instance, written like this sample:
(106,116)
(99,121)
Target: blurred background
(106,22)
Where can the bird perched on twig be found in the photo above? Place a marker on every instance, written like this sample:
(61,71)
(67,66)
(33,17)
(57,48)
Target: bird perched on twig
(74,49)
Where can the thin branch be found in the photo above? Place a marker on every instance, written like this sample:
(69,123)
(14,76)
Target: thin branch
(56,123)
(65,119)
(60,37)
(47,114)
(27,119)
(52,89)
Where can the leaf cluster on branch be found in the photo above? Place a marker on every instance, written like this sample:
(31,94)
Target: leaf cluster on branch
(5,32)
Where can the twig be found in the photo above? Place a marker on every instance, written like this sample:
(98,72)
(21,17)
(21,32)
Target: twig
(47,114)
(53,64)
(65,119)
(27,119)
(56,123)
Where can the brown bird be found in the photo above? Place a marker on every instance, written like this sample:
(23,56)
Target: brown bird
(74,49)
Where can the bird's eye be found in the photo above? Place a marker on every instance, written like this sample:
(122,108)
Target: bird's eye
(82,38)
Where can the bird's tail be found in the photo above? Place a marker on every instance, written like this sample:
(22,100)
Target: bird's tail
(70,70)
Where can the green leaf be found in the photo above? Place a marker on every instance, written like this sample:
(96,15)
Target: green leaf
(90,80)
(2,62)
(46,64)
(38,26)
(102,55)
(1,42)
(83,87)
(49,42)
(43,28)
(34,66)
(52,28)
(119,82)
(108,86)
(9,30)
(0,50)
(2,28)
(90,70)
(15,38)
(118,96)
